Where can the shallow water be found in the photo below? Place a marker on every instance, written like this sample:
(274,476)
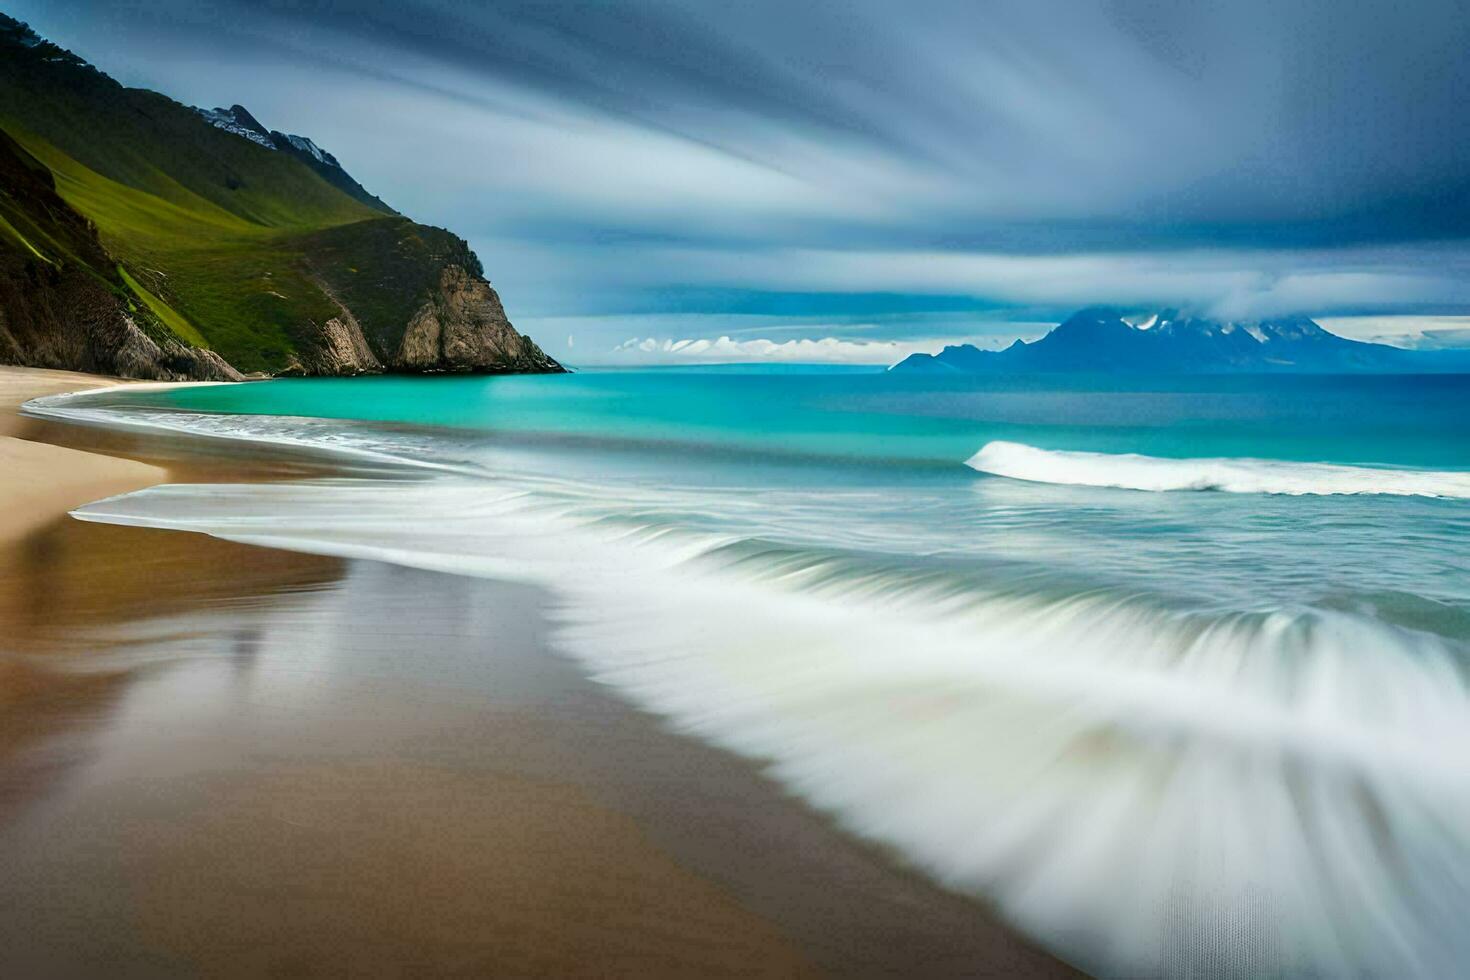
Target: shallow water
(1134,715)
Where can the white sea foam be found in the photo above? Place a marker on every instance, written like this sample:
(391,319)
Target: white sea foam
(1127,781)
(331,437)
(1134,472)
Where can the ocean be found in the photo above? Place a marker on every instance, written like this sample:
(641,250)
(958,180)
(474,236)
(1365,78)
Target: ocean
(1171,672)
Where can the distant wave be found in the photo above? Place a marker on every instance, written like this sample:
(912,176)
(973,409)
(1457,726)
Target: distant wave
(1130,471)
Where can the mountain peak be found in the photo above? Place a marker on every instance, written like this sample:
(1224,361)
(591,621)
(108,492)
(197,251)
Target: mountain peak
(238,120)
(1094,322)
(243,117)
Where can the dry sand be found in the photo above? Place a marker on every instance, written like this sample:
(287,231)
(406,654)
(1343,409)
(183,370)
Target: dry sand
(39,481)
(224,760)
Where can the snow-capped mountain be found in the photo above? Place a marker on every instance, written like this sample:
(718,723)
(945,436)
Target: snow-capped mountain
(306,146)
(238,120)
(1167,341)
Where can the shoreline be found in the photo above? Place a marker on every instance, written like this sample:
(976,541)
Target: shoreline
(41,482)
(228,759)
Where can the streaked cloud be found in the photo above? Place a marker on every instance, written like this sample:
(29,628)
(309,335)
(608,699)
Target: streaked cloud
(1227,281)
(727,339)
(1413,332)
(645,157)
(724,350)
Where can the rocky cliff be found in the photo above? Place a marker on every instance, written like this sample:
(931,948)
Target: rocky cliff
(462,327)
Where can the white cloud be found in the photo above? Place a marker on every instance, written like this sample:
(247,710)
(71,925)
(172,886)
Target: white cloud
(602,339)
(1412,332)
(724,350)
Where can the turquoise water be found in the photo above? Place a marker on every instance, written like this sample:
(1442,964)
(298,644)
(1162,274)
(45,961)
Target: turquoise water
(1139,662)
(1412,421)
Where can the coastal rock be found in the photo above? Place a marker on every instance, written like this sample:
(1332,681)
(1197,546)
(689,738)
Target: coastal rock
(341,350)
(463,327)
(136,355)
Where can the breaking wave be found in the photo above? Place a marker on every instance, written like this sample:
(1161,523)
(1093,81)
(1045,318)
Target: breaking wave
(1130,471)
(1125,776)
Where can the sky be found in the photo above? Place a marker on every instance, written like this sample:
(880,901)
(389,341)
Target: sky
(855,180)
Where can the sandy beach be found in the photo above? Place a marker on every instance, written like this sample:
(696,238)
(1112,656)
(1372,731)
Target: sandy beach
(40,480)
(225,760)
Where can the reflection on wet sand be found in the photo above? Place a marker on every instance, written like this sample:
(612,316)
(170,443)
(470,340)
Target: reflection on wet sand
(83,612)
(60,584)
(234,760)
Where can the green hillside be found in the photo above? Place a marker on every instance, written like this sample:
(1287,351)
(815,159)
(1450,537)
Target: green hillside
(230,245)
(64,302)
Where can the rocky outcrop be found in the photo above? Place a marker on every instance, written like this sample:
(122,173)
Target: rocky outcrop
(463,327)
(339,348)
(341,351)
(136,355)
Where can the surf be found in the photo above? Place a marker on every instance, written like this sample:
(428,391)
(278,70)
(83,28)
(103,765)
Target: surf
(1122,774)
(1130,471)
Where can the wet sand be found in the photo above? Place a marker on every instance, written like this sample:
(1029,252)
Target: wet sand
(225,760)
(39,480)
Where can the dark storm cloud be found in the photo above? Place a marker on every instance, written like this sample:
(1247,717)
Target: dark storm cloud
(1245,153)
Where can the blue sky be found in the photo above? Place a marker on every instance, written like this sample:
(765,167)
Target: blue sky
(856,180)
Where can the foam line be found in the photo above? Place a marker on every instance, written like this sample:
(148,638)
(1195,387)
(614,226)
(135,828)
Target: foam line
(1130,471)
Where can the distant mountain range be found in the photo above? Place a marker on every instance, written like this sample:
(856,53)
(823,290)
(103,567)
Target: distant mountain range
(1100,340)
(143,238)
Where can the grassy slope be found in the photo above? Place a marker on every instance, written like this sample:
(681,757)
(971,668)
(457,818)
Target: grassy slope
(165,313)
(55,276)
(11,233)
(233,283)
(211,230)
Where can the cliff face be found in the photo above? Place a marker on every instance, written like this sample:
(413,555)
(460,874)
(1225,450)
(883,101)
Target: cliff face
(148,239)
(340,351)
(462,327)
